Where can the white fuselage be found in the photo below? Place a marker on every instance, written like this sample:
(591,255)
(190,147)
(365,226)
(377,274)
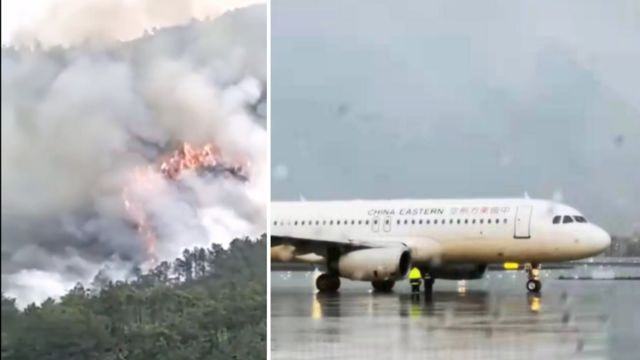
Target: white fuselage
(447,230)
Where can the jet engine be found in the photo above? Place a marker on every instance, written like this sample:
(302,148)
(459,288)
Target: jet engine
(389,263)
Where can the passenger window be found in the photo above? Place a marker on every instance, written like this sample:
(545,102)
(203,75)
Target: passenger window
(567,219)
(398,221)
(366,222)
(428,221)
(413,222)
(489,221)
(295,223)
(466,221)
(481,221)
(556,219)
(420,222)
(353,222)
(474,221)
(317,222)
(338,222)
(386,222)
(580,219)
(331,222)
(324,222)
(375,222)
(450,221)
(406,221)
(435,221)
(275,223)
(458,221)
(359,222)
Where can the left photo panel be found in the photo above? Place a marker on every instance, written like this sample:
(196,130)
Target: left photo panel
(134,179)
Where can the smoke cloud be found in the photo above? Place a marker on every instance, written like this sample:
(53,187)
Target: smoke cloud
(71,22)
(77,122)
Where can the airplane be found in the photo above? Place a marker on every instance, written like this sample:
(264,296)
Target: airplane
(455,239)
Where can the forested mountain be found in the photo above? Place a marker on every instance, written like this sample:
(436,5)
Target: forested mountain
(208,304)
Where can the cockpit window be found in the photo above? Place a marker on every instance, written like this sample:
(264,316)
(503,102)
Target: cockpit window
(567,219)
(580,219)
(556,219)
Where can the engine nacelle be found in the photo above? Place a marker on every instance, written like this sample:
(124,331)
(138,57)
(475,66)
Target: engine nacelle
(458,271)
(391,263)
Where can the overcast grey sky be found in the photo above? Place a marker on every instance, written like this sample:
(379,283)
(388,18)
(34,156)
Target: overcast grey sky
(459,99)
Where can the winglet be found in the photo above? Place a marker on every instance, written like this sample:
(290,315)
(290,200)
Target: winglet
(526,195)
(302,197)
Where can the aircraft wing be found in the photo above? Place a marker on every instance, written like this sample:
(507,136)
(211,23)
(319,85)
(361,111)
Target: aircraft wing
(314,250)
(351,243)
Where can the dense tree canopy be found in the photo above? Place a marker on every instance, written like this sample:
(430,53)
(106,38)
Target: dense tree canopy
(208,304)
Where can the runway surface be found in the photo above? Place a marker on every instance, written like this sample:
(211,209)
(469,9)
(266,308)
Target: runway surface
(492,318)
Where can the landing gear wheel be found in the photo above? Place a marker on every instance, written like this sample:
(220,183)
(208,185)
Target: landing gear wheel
(328,283)
(534,286)
(533,274)
(383,285)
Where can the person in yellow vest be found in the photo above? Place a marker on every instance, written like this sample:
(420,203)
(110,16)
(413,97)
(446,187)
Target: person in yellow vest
(415,279)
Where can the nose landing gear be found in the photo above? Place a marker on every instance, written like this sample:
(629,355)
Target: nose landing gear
(533,273)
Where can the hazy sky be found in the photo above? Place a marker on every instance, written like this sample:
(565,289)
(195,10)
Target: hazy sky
(68,22)
(459,99)
(17,14)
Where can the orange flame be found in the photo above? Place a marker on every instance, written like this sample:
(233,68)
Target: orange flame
(187,157)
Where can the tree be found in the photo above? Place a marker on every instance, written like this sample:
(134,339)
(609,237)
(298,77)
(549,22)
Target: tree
(217,309)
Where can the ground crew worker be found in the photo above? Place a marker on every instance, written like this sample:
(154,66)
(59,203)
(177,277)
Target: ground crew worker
(415,279)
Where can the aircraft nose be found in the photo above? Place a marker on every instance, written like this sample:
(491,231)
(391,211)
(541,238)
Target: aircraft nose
(600,239)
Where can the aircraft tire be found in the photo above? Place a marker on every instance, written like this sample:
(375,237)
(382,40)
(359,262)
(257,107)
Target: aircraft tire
(328,283)
(534,286)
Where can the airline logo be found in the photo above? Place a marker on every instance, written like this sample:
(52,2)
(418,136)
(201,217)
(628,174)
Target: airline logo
(440,211)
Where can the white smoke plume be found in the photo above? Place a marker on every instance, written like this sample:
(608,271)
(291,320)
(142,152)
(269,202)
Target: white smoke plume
(71,22)
(77,122)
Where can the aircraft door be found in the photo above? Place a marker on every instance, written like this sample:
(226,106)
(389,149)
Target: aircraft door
(375,224)
(523,222)
(386,226)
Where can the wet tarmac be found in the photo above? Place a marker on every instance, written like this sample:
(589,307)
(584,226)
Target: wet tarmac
(492,318)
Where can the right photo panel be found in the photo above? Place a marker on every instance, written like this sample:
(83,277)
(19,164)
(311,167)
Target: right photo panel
(455,180)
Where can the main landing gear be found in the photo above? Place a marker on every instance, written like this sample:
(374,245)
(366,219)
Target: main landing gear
(328,283)
(533,273)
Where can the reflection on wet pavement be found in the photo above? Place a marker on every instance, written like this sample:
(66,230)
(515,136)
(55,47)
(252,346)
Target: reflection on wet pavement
(487,319)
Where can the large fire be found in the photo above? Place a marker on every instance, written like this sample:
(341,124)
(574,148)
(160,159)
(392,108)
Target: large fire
(146,180)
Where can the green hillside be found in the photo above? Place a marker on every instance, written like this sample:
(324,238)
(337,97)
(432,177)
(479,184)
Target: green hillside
(208,304)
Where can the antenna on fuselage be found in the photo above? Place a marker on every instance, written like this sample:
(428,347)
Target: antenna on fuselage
(526,195)
(302,198)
